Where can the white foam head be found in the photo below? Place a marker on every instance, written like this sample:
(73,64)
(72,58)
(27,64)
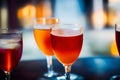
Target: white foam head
(117,27)
(9,43)
(67,30)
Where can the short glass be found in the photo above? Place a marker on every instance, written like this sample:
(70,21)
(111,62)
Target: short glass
(11,45)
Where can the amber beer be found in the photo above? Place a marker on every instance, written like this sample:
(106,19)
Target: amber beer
(42,34)
(42,37)
(67,47)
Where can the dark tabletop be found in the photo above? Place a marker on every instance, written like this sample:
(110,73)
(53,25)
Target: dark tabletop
(92,68)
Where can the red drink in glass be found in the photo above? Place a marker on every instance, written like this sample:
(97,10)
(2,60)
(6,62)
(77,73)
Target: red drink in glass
(118,40)
(10,50)
(10,54)
(67,48)
(66,41)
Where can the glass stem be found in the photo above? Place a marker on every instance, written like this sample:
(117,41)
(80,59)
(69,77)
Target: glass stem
(7,75)
(67,72)
(49,66)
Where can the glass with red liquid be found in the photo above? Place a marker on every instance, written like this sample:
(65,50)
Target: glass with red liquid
(67,40)
(10,50)
(117,38)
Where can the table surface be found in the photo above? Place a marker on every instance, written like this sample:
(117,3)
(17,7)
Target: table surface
(92,68)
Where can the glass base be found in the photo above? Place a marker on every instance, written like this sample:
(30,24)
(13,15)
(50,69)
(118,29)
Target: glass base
(116,77)
(53,76)
(44,78)
(72,77)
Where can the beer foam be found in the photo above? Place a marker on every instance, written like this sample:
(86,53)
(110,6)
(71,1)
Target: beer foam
(118,29)
(9,43)
(42,26)
(66,32)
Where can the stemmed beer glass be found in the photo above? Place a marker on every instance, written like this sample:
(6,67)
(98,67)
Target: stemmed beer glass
(117,38)
(42,38)
(67,40)
(10,50)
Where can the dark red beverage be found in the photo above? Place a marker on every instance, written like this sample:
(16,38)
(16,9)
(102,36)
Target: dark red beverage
(10,55)
(118,40)
(67,48)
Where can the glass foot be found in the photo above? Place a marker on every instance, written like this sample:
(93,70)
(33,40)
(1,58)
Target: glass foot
(72,77)
(53,74)
(116,77)
(46,78)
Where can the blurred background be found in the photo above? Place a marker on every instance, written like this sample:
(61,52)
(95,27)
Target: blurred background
(98,18)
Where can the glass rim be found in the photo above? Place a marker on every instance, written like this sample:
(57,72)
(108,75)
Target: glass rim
(67,25)
(41,23)
(12,31)
(74,27)
(70,24)
(117,27)
(45,18)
